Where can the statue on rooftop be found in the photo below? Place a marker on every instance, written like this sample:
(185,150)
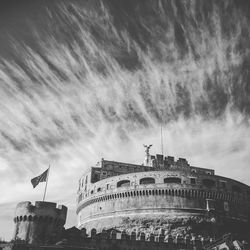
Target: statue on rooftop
(147,156)
(147,147)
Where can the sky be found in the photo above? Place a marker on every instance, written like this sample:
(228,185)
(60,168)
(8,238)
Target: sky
(85,80)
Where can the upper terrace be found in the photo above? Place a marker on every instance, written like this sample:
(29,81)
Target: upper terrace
(108,169)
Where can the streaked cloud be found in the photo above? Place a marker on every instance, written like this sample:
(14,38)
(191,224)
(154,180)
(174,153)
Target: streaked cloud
(85,81)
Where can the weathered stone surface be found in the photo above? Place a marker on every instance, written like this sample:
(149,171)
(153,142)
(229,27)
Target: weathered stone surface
(168,194)
(41,223)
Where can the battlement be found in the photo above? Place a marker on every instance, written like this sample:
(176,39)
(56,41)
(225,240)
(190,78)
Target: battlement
(39,223)
(115,239)
(40,209)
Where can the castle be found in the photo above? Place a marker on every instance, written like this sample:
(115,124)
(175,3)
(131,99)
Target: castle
(161,204)
(162,193)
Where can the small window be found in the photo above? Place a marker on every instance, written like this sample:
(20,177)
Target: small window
(193,180)
(147,180)
(99,189)
(172,180)
(208,173)
(108,186)
(236,189)
(92,191)
(104,173)
(193,171)
(123,183)
(223,184)
(208,183)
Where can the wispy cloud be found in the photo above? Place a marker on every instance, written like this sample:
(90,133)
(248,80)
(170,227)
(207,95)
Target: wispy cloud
(84,82)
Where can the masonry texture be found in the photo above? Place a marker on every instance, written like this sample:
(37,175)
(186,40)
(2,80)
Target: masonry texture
(41,223)
(162,194)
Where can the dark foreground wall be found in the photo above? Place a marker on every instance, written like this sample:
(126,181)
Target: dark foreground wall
(122,241)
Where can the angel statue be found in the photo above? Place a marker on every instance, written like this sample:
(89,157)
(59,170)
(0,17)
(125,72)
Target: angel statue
(147,147)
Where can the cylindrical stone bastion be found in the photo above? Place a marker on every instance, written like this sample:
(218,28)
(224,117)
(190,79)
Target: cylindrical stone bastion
(41,223)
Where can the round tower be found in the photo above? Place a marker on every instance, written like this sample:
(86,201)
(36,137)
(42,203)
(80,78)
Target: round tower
(169,194)
(41,223)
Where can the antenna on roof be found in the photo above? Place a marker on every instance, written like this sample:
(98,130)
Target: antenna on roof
(161,141)
(161,132)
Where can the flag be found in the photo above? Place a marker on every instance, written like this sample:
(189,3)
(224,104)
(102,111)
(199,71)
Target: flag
(41,178)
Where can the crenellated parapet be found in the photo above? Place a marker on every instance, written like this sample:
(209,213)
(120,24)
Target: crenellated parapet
(115,239)
(41,223)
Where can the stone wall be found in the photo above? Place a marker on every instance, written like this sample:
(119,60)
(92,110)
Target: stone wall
(110,201)
(166,194)
(134,240)
(40,223)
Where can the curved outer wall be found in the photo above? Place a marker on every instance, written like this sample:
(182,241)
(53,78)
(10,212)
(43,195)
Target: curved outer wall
(41,223)
(112,205)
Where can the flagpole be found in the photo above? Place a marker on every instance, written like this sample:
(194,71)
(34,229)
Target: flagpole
(46,184)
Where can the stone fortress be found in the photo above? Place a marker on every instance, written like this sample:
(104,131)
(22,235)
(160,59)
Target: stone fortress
(39,223)
(161,204)
(162,193)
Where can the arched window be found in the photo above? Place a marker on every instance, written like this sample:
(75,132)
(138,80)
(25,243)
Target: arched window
(99,189)
(147,180)
(236,189)
(172,180)
(208,183)
(123,183)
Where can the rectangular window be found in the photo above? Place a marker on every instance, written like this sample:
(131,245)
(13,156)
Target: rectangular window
(193,180)
(222,184)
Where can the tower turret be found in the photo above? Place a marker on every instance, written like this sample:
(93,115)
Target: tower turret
(41,223)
